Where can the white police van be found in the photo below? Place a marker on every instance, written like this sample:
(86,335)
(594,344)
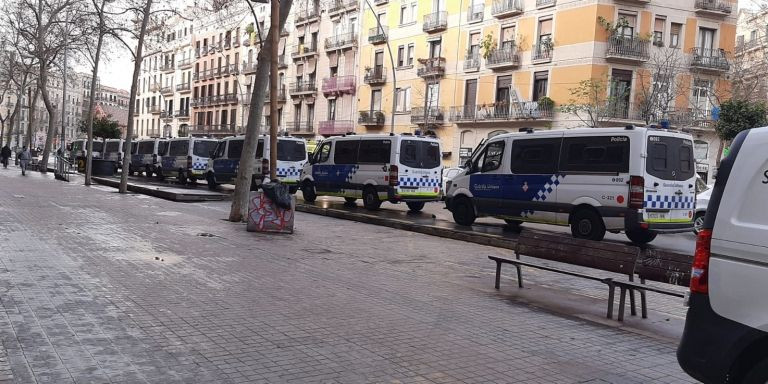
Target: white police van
(291,157)
(147,156)
(187,158)
(395,168)
(726,329)
(80,148)
(637,180)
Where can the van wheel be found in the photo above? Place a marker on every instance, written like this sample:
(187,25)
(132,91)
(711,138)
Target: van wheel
(415,206)
(758,374)
(182,177)
(350,200)
(147,171)
(308,191)
(463,211)
(371,200)
(587,224)
(211,181)
(640,236)
(698,222)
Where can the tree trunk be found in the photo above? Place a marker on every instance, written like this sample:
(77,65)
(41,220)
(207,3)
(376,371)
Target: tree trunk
(94,78)
(43,86)
(132,101)
(9,133)
(32,118)
(239,208)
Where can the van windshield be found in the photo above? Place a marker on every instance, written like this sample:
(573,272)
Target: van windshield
(204,148)
(98,146)
(291,150)
(420,154)
(112,146)
(670,158)
(77,146)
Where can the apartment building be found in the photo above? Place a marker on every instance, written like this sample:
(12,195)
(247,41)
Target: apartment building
(109,102)
(470,70)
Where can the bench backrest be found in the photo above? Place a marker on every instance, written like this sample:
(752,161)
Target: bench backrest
(664,266)
(606,256)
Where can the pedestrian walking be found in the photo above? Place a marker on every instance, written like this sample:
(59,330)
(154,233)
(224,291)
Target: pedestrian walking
(24,157)
(5,154)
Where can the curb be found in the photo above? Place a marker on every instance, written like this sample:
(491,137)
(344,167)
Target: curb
(482,239)
(161,193)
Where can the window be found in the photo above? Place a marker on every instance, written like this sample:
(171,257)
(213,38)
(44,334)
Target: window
(540,84)
(670,158)
(332,109)
(490,159)
(507,38)
(375,151)
(700,97)
(376,100)
(595,154)
(674,35)
(400,56)
(346,152)
(545,31)
(535,156)
(403,96)
(753,35)
(474,45)
(146,147)
(410,54)
(203,148)
(658,31)
(235,149)
(403,13)
(408,12)
(291,150)
(420,154)
(629,22)
(707,40)
(740,40)
(323,153)
(178,148)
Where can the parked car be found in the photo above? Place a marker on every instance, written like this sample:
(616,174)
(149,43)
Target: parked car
(448,175)
(703,192)
(725,339)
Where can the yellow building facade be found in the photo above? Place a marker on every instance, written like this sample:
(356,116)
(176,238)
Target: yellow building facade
(467,69)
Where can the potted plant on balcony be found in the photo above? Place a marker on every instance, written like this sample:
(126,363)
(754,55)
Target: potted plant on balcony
(364,116)
(379,116)
(488,45)
(546,103)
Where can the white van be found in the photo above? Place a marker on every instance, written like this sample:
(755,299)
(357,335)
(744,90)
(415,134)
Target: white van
(187,158)
(147,156)
(80,148)
(726,330)
(637,180)
(395,168)
(291,157)
(113,150)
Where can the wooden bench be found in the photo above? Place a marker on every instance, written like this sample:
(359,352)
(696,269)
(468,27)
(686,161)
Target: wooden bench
(610,257)
(661,266)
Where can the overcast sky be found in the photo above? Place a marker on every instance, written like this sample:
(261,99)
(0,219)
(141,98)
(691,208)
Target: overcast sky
(117,72)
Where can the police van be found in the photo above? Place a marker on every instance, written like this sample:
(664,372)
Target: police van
(147,156)
(726,329)
(640,181)
(376,168)
(291,157)
(80,148)
(187,158)
(113,150)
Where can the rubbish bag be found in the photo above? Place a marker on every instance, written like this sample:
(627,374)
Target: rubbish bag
(278,193)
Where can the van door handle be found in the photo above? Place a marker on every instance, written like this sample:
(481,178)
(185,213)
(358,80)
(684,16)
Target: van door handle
(655,184)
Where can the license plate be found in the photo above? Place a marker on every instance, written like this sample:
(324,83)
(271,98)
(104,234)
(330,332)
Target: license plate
(657,215)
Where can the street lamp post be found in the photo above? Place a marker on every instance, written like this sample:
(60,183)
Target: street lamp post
(392,61)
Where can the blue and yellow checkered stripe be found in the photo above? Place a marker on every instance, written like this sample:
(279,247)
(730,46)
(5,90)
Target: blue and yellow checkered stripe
(670,202)
(419,182)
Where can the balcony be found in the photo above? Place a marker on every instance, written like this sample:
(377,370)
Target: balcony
(184,63)
(545,3)
(475,13)
(371,118)
(167,67)
(541,53)
(204,50)
(337,7)
(335,127)
(307,15)
(181,114)
(378,35)
(472,61)
(375,76)
(304,50)
(282,62)
(165,115)
(506,57)
(230,69)
(339,85)
(713,7)
(183,87)
(249,68)
(341,42)
(710,60)
(435,22)
(214,130)
(432,67)
(228,43)
(622,48)
(167,90)
(380,2)
(299,127)
(506,8)
(215,72)
(303,88)
(155,87)
(281,95)
(155,109)
(229,98)
(434,116)
(501,112)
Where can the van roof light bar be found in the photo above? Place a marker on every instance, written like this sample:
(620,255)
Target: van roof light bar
(629,127)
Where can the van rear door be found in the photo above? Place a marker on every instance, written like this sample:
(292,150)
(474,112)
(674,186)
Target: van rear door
(670,179)
(420,169)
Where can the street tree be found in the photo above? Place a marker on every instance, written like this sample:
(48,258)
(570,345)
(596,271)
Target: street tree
(739,115)
(591,102)
(101,126)
(239,207)
(660,84)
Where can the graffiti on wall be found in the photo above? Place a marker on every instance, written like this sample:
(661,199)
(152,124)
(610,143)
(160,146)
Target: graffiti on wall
(266,216)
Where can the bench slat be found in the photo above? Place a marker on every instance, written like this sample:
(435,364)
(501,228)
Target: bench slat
(664,266)
(527,236)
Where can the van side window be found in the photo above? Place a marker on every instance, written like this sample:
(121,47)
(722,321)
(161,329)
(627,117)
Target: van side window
(324,152)
(346,152)
(375,151)
(179,148)
(220,149)
(162,148)
(535,156)
(235,149)
(658,156)
(491,158)
(609,154)
(260,149)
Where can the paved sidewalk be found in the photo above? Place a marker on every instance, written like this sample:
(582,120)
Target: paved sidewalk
(101,287)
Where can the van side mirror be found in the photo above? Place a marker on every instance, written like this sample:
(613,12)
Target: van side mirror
(469,166)
(212,154)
